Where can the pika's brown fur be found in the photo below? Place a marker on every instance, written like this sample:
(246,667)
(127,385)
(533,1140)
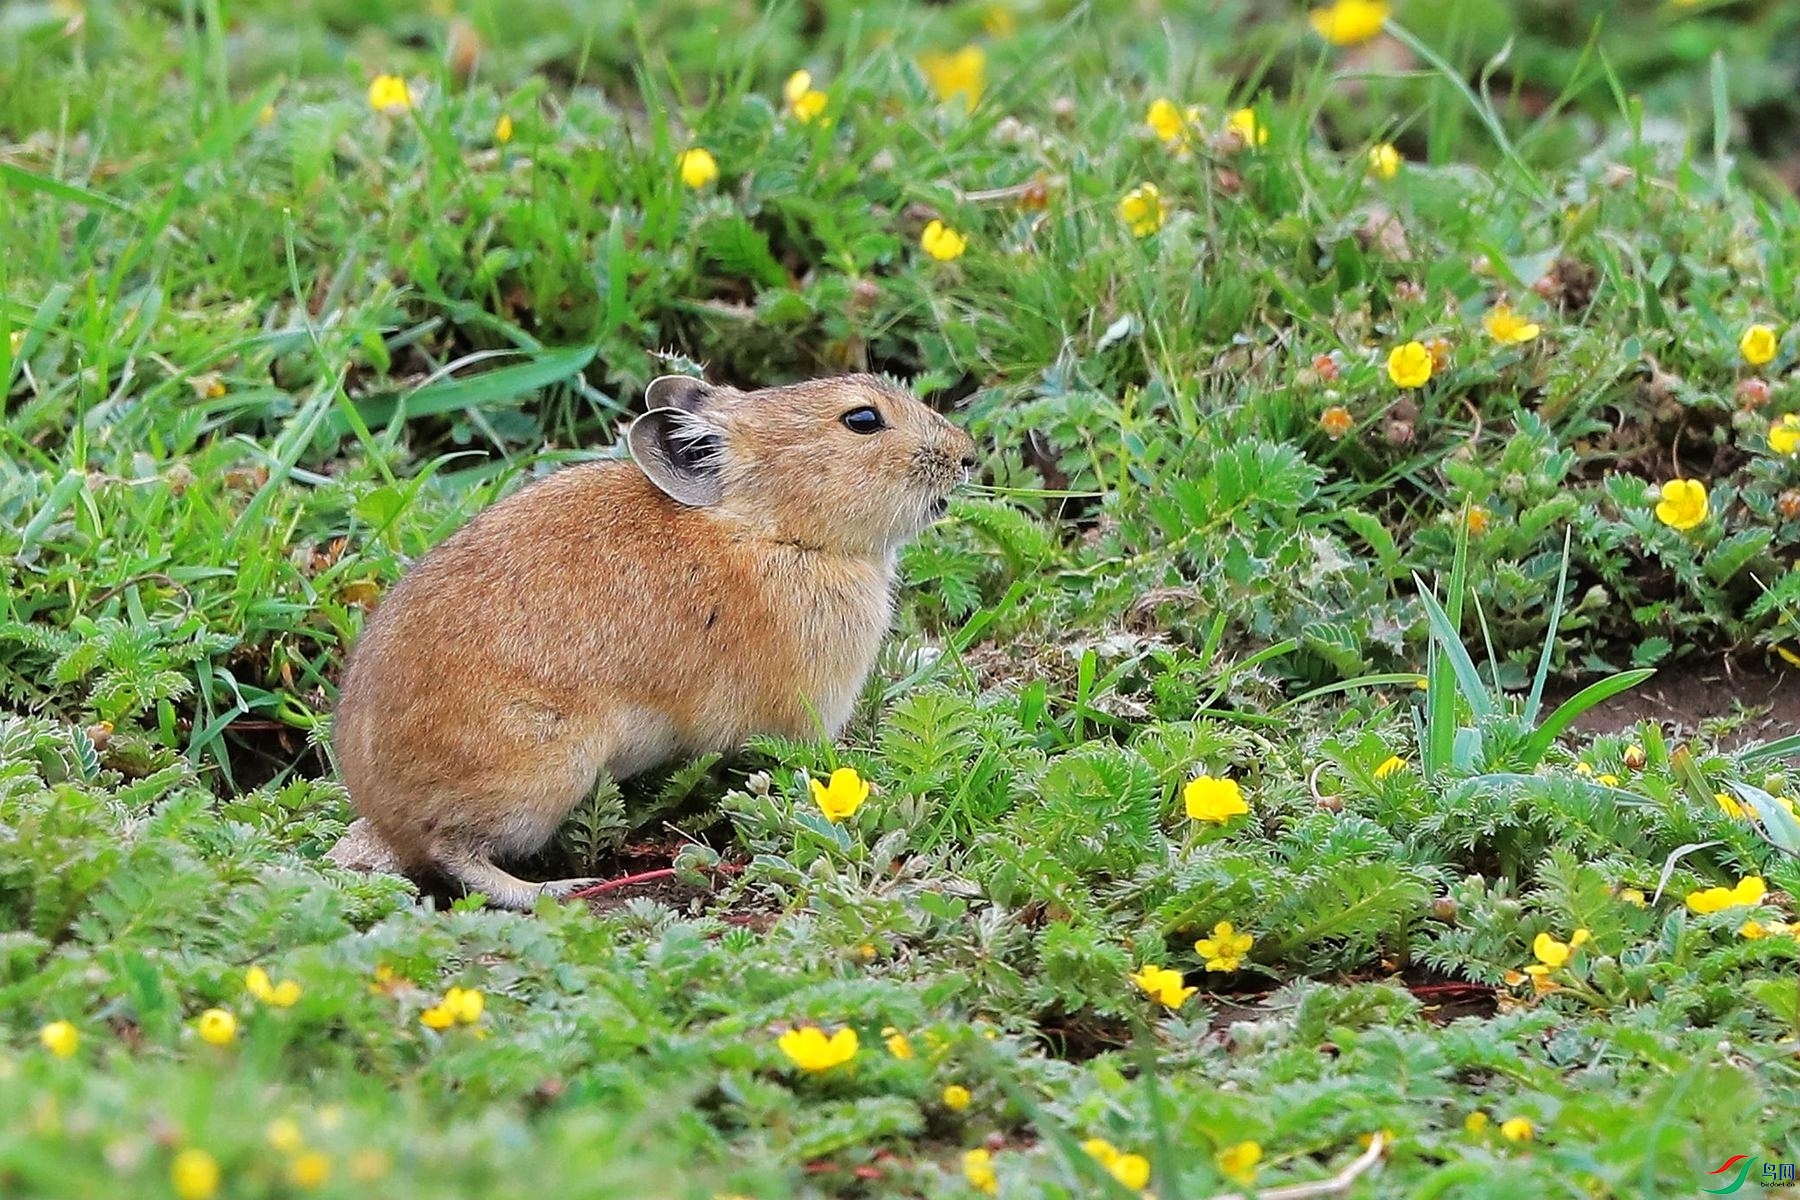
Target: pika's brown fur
(736,577)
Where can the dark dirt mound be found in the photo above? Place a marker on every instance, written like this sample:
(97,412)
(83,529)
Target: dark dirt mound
(1733,705)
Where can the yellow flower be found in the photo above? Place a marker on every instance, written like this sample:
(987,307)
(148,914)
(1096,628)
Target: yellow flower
(1163,985)
(194,1175)
(1336,421)
(1476,1122)
(1384,160)
(438,1016)
(956,1097)
(803,100)
(1758,345)
(1749,890)
(1239,1162)
(978,1169)
(1478,520)
(265,115)
(942,242)
(959,73)
(1634,897)
(1225,949)
(697,167)
(280,995)
(896,1043)
(1508,327)
(217,1027)
(1168,120)
(1784,435)
(812,1050)
(1683,504)
(1550,952)
(283,1134)
(1143,209)
(1348,22)
(465,1004)
(60,1038)
(390,94)
(1758,929)
(1731,807)
(1607,780)
(1243,122)
(1132,1170)
(309,1170)
(1214,800)
(503,129)
(1517,1129)
(842,796)
(1394,763)
(1409,365)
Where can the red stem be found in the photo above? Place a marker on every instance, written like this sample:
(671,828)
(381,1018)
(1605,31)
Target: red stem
(613,885)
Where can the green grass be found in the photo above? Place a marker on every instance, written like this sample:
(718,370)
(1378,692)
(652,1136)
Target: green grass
(264,347)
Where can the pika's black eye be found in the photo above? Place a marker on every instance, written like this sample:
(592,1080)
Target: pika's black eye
(863,420)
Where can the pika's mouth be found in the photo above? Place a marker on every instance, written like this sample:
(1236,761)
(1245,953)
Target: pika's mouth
(939,507)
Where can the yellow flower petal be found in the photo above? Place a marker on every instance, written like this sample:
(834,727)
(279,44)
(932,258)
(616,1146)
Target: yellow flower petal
(1784,435)
(1143,210)
(978,1169)
(1214,800)
(1508,327)
(1239,1162)
(1245,124)
(1384,160)
(812,1050)
(1409,365)
(842,795)
(1517,1129)
(1759,345)
(1683,505)
(697,167)
(1348,22)
(194,1175)
(959,73)
(217,1027)
(942,242)
(390,95)
(60,1038)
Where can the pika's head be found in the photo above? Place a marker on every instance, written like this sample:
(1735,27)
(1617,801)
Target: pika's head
(855,464)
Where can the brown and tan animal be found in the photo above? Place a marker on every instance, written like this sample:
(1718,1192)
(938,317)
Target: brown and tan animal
(735,577)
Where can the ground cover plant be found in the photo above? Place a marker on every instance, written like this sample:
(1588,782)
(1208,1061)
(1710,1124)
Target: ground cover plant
(1355,387)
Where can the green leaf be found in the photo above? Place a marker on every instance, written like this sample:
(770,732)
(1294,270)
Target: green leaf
(478,391)
(1566,712)
(739,248)
(1734,553)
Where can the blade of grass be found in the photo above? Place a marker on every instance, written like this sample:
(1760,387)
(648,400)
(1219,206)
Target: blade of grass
(1483,112)
(1536,698)
(1539,742)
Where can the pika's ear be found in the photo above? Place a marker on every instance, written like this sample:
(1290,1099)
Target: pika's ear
(680,453)
(678,391)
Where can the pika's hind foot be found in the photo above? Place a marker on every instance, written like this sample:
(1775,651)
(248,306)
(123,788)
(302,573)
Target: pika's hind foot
(477,873)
